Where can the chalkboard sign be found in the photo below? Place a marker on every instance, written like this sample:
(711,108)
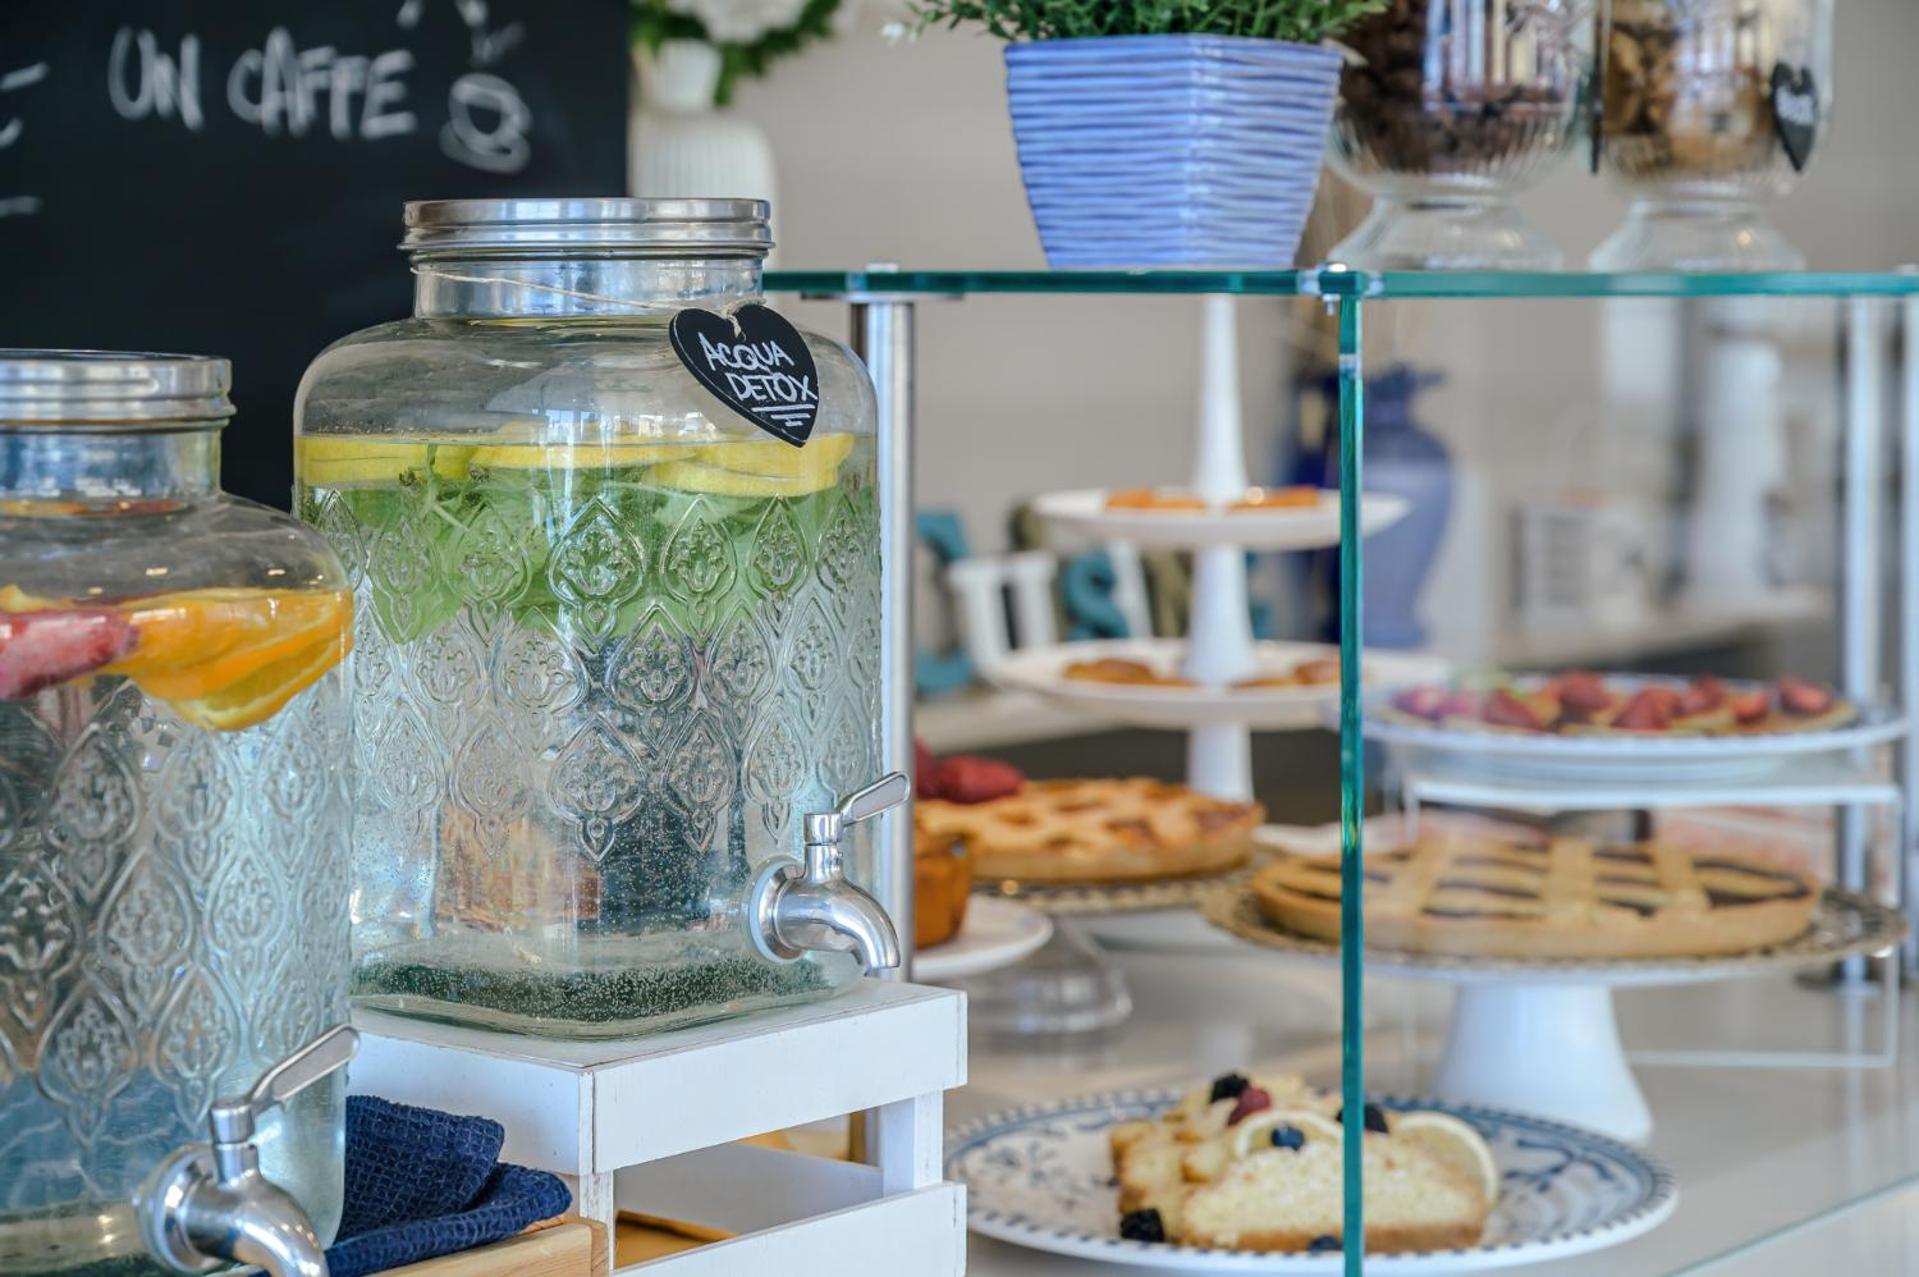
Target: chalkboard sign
(754,362)
(225,176)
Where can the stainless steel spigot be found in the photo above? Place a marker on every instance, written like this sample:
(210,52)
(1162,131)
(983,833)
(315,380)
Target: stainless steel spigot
(797,907)
(208,1206)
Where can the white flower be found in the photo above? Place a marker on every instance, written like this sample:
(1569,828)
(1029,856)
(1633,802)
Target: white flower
(739,21)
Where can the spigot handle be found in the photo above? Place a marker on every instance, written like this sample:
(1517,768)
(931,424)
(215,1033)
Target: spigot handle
(882,795)
(233,1119)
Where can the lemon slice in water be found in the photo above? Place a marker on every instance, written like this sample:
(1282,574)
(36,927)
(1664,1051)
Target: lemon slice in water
(821,454)
(574,456)
(328,461)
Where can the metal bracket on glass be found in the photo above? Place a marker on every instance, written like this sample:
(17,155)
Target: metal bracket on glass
(797,907)
(208,1206)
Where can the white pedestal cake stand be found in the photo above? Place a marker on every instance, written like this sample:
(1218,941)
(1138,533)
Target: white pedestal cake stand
(1541,1036)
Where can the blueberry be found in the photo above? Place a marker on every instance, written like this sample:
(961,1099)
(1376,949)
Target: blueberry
(1142,1226)
(1289,1137)
(1227,1086)
(1375,1119)
(1323,1242)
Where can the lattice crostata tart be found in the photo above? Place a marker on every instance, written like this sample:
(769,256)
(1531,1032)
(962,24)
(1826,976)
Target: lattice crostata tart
(1084,831)
(1256,1164)
(1549,898)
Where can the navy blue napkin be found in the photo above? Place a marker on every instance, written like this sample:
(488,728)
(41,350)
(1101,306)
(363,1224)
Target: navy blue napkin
(421,1183)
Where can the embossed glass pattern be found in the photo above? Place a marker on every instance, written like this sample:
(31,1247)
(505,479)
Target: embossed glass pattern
(173,853)
(613,640)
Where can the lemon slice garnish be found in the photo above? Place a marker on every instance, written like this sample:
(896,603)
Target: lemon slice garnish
(774,459)
(1452,1142)
(573,456)
(691,476)
(1256,1132)
(327,461)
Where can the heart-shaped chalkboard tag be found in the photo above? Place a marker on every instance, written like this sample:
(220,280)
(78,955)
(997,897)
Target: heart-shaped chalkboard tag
(1795,112)
(755,363)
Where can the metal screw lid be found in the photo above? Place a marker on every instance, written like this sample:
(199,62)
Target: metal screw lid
(107,388)
(589,227)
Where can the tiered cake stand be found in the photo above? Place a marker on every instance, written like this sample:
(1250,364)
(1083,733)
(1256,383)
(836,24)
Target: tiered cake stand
(1219,650)
(1070,985)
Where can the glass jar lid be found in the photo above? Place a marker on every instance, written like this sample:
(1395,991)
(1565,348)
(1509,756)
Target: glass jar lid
(589,227)
(108,388)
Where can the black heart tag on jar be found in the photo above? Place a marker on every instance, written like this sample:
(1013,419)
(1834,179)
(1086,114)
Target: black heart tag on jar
(1795,112)
(756,363)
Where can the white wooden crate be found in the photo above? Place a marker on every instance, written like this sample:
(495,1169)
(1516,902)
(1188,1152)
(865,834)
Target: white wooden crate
(650,1123)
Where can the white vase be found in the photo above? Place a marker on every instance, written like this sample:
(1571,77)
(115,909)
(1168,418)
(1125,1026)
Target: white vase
(680,145)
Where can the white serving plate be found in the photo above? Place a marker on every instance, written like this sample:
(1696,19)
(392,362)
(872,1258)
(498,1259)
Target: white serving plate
(1650,759)
(1040,670)
(1304,528)
(1042,1177)
(997,933)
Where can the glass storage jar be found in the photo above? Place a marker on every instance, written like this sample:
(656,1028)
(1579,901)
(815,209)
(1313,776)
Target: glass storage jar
(1711,108)
(615,641)
(1447,109)
(173,804)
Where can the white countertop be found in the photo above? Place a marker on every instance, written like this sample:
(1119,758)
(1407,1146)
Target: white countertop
(1781,1171)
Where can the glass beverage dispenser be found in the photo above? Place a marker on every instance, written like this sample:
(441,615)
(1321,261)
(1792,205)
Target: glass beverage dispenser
(173,831)
(617,664)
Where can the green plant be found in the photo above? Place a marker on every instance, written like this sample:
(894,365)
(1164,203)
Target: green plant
(750,37)
(1304,21)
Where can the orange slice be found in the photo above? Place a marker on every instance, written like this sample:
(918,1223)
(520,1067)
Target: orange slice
(199,643)
(265,692)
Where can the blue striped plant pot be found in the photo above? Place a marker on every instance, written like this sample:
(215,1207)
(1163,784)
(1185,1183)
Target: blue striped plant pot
(1177,151)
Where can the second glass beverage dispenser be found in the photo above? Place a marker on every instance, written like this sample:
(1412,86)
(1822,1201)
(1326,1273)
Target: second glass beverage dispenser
(617,665)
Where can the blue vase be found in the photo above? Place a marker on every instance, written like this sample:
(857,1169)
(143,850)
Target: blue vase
(1174,151)
(1405,461)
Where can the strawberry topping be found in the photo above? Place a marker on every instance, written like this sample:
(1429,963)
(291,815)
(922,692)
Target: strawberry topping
(1583,692)
(1803,699)
(1421,702)
(965,778)
(1649,711)
(1251,1100)
(40,649)
(1503,709)
(1750,707)
(1705,695)
(926,770)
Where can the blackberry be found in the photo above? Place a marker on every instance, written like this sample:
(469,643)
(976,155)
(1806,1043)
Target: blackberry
(1142,1226)
(1227,1086)
(1375,1119)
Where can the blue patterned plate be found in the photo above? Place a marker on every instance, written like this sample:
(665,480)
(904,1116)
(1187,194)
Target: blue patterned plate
(1042,1177)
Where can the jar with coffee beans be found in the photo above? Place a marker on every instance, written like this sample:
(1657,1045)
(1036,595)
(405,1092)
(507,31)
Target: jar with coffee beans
(1448,108)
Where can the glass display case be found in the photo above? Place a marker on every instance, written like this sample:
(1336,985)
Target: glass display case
(1685,672)
(173,806)
(618,645)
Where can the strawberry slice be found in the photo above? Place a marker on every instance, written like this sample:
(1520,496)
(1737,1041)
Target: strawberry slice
(1750,707)
(1459,705)
(1802,699)
(1704,695)
(967,778)
(1649,711)
(926,770)
(1582,692)
(1503,709)
(1422,702)
(40,649)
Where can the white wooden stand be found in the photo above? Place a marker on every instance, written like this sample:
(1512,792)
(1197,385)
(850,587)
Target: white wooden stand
(649,1124)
